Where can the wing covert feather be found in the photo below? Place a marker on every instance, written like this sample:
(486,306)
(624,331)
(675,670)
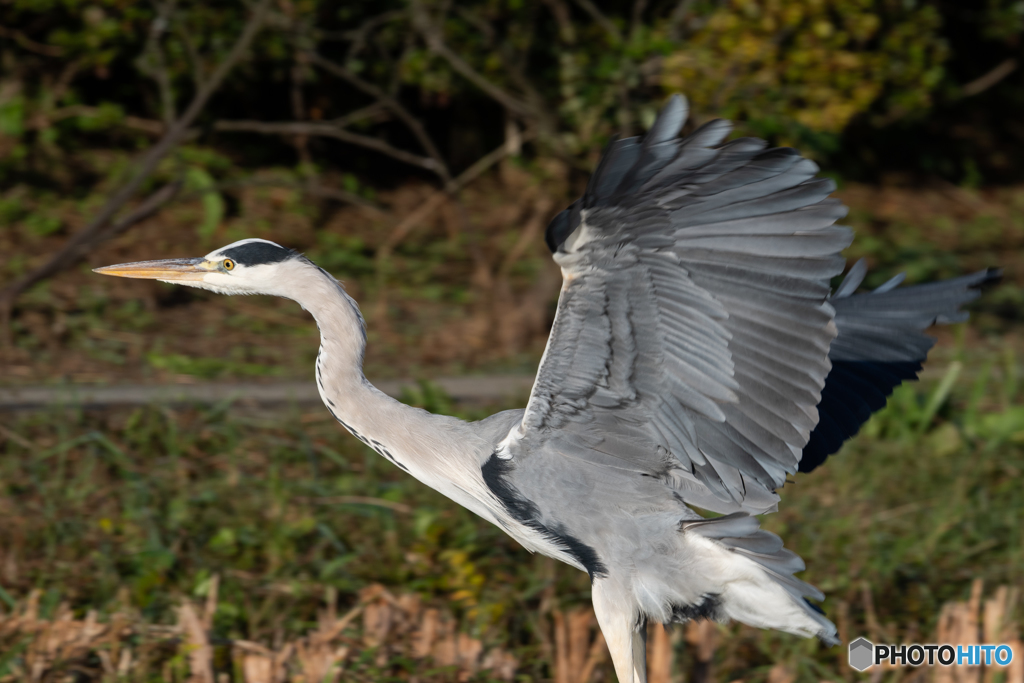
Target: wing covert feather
(693,327)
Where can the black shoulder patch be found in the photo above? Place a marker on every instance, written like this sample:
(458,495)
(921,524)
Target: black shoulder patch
(561,226)
(495,472)
(257,253)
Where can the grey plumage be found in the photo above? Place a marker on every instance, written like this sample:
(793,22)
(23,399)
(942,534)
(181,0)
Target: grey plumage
(694,337)
(673,294)
(696,359)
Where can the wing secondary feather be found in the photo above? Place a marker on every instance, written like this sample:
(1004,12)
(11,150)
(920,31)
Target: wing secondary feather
(692,333)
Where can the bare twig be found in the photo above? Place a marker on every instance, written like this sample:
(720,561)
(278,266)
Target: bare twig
(1001,71)
(610,28)
(563,18)
(432,203)
(478,23)
(153,61)
(326,130)
(312,188)
(317,190)
(435,41)
(396,72)
(67,74)
(541,210)
(194,60)
(18,439)
(143,211)
(369,111)
(638,15)
(675,20)
(391,103)
(29,44)
(516,69)
(301,141)
(150,126)
(80,242)
(51,94)
(358,36)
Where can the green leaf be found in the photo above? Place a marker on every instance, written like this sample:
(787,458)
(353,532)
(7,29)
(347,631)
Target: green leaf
(198,180)
(939,395)
(105,116)
(12,117)
(42,225)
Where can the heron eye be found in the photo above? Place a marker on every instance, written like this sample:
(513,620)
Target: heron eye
(229,264)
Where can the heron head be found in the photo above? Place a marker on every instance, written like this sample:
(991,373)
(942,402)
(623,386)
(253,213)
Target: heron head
(251,266)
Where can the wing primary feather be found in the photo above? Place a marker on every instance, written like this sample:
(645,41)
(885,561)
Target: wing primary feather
(696,333)
(890,284)
(852,280)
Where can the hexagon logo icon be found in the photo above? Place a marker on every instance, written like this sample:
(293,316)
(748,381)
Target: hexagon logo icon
(862,654)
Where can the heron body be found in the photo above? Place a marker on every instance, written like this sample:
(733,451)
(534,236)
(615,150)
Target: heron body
(697,356)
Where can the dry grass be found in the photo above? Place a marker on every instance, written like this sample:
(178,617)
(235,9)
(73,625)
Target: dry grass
(154,503)
(384,628)
(358,645)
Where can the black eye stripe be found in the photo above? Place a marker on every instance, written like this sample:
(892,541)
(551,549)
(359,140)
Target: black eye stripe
(256,253)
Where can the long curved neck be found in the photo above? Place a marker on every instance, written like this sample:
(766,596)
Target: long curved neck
(442,452)
(356,403)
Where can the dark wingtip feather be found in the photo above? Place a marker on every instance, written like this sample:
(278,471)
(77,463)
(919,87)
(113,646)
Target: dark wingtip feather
(859,384)
(989,276)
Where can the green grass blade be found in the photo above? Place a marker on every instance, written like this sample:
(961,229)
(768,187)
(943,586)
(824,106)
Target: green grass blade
(939,396)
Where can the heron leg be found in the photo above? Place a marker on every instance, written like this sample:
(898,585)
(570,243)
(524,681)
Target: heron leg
(624,630)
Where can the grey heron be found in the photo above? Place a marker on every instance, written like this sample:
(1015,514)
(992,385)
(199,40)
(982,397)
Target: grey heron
(697,357)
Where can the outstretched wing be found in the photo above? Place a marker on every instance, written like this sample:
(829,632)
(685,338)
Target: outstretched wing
(880,344)
(692,333)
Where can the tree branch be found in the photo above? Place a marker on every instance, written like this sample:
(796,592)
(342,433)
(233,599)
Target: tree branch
(432,204)
(358,36)
(326,130)
(610,28)
(436,43)
(149,126)
(29,44)
(566,31)
(147,208)
(337,194)
(638,16)
(299,110)
(424,210)
(153,61)
(80,242)
(194,59)
(359,114)
(675,20)
(1001,71)
(391,103)
(75,249)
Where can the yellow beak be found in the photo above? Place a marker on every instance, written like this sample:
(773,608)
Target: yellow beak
(170,270)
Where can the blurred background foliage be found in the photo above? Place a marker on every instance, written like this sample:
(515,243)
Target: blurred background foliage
(361,133)
(335,126)
(839,78)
